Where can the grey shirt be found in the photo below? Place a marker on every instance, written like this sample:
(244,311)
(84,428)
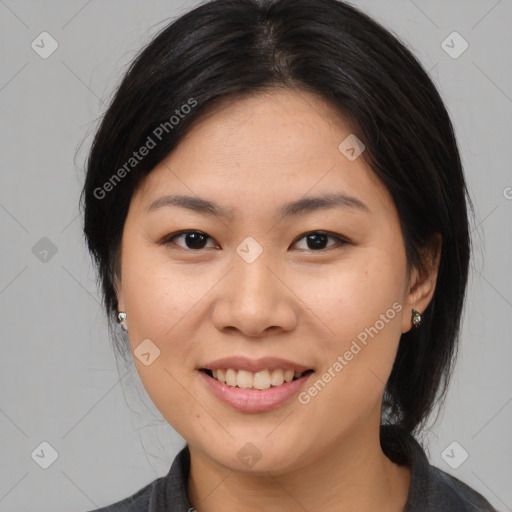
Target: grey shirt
(431,489)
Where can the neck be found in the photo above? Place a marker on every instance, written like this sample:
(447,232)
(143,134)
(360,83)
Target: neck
(350,474)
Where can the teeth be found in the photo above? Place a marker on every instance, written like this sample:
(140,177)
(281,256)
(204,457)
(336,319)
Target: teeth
(263,379)
(231,379)
(277,378)
(288,375)
(244,379)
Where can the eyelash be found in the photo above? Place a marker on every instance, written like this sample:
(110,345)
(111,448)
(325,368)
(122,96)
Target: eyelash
(168,240)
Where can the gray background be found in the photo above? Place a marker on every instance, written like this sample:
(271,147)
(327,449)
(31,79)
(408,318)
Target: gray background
(58,377)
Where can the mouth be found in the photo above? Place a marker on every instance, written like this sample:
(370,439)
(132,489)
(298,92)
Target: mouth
(260,380)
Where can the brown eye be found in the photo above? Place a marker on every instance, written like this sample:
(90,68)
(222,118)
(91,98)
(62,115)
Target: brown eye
(194,240)
(317,240)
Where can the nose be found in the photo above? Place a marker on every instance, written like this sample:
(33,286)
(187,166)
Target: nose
(254,299)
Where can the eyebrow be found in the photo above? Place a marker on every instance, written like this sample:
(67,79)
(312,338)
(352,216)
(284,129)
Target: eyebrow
(293,208)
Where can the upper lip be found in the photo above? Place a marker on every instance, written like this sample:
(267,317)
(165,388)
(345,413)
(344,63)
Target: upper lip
(254,365)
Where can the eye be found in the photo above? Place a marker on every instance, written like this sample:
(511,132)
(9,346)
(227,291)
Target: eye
(194,240)
(316,240)
(197,240)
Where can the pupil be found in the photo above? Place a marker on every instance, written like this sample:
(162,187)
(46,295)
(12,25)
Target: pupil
(318,240)
(195,240)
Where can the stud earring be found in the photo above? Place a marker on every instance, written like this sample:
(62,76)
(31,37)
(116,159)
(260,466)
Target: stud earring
(416,318)
(122,320)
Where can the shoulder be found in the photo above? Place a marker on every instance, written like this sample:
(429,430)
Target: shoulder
(163,494)
(138,502)
(446,492)
(431,489)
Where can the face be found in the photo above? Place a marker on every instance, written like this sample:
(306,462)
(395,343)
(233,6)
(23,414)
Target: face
(261,272)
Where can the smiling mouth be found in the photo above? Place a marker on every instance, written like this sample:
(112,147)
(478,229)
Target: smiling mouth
(261,380)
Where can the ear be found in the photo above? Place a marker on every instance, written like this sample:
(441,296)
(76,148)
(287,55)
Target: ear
(422,280)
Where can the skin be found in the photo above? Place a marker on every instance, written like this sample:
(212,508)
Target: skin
(294,301)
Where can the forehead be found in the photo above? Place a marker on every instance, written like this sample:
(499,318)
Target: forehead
(274,146)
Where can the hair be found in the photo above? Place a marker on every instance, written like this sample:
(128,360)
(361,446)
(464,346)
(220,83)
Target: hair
(230,49)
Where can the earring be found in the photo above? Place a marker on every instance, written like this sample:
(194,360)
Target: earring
(416,318)
(122,317)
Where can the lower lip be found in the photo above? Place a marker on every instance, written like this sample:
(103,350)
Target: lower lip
(254,400)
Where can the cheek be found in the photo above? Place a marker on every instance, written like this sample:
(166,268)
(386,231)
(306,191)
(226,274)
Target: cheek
(158,294)
(361,306)
(169,391)
(160,301)
(352,296)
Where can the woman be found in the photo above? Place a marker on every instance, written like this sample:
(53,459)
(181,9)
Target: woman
(276,206)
